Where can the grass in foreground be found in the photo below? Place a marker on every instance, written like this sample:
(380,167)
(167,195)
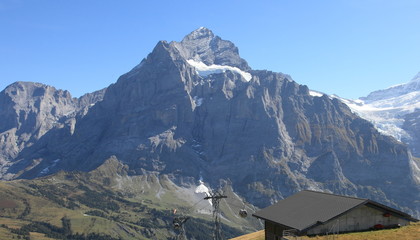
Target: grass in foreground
(256,235)
(410,232)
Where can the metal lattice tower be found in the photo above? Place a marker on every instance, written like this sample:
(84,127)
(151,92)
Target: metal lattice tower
(216,197)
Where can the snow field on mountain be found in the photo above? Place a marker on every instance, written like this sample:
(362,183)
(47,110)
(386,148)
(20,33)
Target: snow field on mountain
(387,108)
(205,70)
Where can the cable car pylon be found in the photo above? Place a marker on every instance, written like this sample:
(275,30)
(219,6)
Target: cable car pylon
(215,198)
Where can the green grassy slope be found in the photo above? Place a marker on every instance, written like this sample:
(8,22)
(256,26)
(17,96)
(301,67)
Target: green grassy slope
(104,204)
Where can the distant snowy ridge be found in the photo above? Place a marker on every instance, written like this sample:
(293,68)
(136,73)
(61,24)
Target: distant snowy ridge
(394,91)
(205,70)
(387,120)
(386,108)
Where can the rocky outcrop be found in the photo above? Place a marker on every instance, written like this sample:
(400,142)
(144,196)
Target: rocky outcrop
(89,99)
(30,110)
(202,45)
(266,135)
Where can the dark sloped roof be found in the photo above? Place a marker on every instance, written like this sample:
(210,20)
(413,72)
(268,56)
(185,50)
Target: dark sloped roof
(306,208)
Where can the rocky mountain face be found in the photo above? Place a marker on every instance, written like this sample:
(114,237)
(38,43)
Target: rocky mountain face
(195,110)
(30,110)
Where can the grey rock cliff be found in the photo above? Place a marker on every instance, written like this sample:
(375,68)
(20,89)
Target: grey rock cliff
(30,110)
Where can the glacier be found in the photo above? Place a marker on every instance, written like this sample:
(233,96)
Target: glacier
(387,108)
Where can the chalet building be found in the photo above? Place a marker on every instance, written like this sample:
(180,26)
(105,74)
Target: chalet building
(317,213)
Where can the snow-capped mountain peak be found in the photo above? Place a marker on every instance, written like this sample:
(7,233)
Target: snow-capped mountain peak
(416,78)
(199,33)
(394,91)
(202,45)
(414,84)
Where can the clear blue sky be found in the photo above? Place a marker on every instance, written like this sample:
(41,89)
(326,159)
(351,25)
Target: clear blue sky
(343,47)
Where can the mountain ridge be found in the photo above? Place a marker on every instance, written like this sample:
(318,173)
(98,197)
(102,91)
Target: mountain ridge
(31,110)
(165,117)
(397,90)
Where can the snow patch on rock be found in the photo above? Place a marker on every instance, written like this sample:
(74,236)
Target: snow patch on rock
(202,189)
(198,101)
(47,169)
(315,93)
(205,70)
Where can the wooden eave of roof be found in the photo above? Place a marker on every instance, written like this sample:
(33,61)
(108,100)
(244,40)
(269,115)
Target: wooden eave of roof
(268,220)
